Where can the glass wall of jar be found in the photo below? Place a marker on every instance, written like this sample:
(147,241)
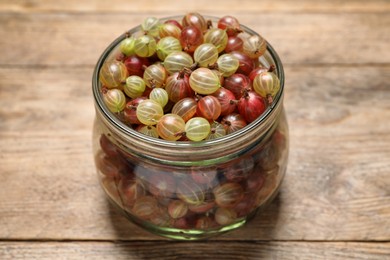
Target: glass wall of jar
(184,189)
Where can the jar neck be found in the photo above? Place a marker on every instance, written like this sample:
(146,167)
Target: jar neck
(192,153)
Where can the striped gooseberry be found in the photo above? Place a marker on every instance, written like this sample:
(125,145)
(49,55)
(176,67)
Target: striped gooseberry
(197,128)
(170,127)
(209,107)
(113,74)
(149,112)
(228,194)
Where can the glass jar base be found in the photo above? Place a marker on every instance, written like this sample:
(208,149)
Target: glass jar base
(183,234)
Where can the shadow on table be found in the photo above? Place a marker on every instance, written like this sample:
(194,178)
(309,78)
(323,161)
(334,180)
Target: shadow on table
(248,242)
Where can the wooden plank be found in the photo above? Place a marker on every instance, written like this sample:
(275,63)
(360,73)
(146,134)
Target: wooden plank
(167,6)
(336,187)
(200,250)
(77,39)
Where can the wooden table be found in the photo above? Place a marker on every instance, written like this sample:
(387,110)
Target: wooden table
(335,200)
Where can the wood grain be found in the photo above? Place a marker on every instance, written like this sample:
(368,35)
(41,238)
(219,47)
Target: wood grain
(76,40)
(200,250)
(171,6)
(338,191)
(335,200)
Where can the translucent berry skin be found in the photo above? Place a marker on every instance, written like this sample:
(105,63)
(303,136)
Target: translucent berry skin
(145,46)
(178,87)
(167,45)
(227,64)
(234,43)
(205,54)
(219,75)
(204,81)
(238,84)
(233,122)
(209,108)
(148,130)
(176,61)
(170,127)
(169,29)
(190,38)
(149,112)
(127,46)
(177,209)
(113,74)
(150,26)
(267,85)
(135,65)
(159,95)
(256,71)
(190,192)
(134,87)
(195,19)
(174,22)
(130,111)
(197,129)
(251,105)
(185,108)
(230,24)
(254,46)
(246,64)
(115,100)
(228,195)
(226,99)
(217,37)
(217,130)
(155,76)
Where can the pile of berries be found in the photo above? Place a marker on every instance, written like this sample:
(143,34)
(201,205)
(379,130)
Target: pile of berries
(188,80)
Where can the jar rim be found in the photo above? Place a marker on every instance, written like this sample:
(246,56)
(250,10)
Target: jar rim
(131,133)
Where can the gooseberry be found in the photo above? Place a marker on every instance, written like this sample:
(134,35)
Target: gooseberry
(230,24)
(149,112)
(177,209)
(251,106)
(228,194)
(130,111)
(209,108)
(204,81)
(190,38)
(226,100)
(267,85)
(233,122)
(170,127)
(185,108)
(114,99)
(197,129)
(113,74)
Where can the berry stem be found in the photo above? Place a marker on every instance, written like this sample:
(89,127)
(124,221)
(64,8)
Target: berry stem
(270,99)
(209,24)
(213,66)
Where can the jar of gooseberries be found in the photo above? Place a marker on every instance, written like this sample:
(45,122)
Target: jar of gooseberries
(178,162)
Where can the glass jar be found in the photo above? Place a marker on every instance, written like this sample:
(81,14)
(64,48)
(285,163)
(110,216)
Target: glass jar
(191,190)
